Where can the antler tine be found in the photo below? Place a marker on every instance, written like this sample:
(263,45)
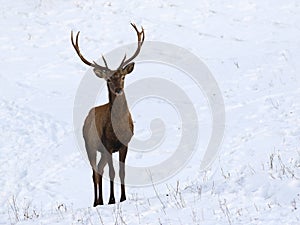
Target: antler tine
(139,34)
(122,63)
(141,38)
(76,47)
(143,35)
(105,63)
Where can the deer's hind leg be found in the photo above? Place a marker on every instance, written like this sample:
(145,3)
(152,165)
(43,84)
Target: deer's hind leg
(100,169)
(92,156)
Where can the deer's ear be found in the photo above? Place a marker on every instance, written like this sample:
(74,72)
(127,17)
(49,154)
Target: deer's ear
(129,68)
(99,72)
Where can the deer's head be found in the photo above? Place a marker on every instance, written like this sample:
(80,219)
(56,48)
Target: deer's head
(114,78)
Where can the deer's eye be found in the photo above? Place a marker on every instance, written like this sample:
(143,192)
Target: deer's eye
(108,80)
(123,77)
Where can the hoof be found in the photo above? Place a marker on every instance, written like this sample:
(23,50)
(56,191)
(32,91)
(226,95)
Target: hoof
(111,201)
(123,198)
(98,202)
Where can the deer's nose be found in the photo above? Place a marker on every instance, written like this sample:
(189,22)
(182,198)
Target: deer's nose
(118,91)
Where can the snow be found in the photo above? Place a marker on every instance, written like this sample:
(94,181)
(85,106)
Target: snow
(251,47)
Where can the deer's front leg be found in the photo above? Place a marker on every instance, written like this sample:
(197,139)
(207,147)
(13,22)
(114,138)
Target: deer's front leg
(122,157)
(111,177)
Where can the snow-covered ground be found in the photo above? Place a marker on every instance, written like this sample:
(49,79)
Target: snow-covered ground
(252,47)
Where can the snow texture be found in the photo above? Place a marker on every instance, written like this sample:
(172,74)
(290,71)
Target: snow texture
(252,47)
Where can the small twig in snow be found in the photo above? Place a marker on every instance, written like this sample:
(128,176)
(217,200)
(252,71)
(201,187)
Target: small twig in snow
(156,193)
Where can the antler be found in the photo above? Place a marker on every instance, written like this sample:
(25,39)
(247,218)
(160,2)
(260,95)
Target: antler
(141,38)
(94,64)
(140,35)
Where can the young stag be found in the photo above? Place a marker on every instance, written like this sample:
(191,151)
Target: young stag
(108,128)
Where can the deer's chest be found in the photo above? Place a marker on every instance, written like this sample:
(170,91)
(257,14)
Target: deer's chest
(117,136)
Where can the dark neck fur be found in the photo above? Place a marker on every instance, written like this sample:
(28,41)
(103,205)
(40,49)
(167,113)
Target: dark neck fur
(122,107)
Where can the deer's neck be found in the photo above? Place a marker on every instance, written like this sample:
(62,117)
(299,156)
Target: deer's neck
(118,104)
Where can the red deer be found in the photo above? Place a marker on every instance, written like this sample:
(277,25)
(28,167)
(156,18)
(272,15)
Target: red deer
(108,128)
